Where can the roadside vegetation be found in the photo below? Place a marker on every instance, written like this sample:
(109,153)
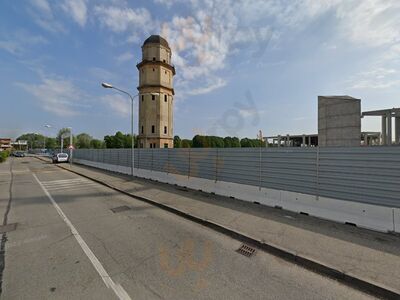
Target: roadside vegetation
(3,155)
(120,140)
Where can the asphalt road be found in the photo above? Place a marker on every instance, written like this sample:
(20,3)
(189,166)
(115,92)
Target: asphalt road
(69,244)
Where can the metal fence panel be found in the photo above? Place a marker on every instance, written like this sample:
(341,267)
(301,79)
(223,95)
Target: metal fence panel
(362,174)
(239,165)
(178,162)
(160,159)
(203,163)
(290,169)
(145,158)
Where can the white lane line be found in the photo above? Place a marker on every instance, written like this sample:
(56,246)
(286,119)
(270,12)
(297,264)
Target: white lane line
(72,188)
(65,184)
(117,288)
(50,184)
(64,181)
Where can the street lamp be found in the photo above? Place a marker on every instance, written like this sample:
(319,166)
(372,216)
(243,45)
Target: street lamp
(44,137)
(110,86)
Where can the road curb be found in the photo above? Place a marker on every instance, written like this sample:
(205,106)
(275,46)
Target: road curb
(309,264)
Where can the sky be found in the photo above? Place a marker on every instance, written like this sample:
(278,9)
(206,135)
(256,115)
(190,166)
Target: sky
(241,65)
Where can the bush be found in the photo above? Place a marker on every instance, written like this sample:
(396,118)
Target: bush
(3,155)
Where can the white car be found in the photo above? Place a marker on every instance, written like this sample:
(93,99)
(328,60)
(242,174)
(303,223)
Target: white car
(60,157)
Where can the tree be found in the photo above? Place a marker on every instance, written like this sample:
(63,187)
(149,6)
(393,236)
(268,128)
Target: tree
(186,143)
(231,142)
(51,143)
(35,140)
(119,140)
(96,144)
(66,141)
(203,141)
(177,142)
(246,143)
(83,141)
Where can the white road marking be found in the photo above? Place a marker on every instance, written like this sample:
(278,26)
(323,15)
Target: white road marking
(117,288)
(70,184)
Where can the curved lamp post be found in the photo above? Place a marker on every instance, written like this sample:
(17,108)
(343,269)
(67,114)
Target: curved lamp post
(109,86)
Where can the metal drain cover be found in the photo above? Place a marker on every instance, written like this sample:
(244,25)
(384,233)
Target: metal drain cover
(246,250)
(120,209)
(8,227)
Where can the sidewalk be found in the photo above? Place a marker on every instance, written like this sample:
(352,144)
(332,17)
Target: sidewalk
(366,255)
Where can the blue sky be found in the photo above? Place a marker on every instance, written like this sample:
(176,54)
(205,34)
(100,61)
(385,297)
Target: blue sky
(242,65)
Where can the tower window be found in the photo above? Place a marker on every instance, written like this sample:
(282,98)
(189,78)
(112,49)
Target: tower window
(165,98)
(153,97)
(165,72)
(142,129)
(142,97)
(163,60)
(165,145)
(154,58)
(153,129)
(154,69)
(165,129)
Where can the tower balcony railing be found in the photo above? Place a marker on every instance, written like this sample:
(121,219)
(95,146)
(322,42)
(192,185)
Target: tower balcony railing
(145,61)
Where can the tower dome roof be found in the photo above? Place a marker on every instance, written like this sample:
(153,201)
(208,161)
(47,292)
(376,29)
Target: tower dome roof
(156,39)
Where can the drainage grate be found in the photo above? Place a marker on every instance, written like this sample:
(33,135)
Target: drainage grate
(120,209)
(246,250)
(8,227)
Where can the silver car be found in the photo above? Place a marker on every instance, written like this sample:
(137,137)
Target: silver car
(60,157)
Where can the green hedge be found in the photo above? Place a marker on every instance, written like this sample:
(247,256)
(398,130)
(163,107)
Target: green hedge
(4,155)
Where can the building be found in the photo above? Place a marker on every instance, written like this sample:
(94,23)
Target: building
(156,94)
(339,121)
(387,116)
(293,140)
(5,144)
(21,145)
(339,124)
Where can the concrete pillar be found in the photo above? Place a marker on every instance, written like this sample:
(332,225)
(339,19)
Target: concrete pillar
(389,129)
(383,135)
(287,140)
(397,129)
(365,139)
(304,141)
(279,140)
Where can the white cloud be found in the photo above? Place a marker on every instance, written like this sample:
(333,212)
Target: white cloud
(379,78)
(20,42)
(211,86)
(42,5)
(43,15)
(119,104)
(211,32)
(370,22)
(56,95)
(101,74)
(124,57)
(246,113)
(77,9)
(120,19)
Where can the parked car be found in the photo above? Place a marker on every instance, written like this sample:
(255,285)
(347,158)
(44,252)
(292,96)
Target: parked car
(18,154)
(60,157)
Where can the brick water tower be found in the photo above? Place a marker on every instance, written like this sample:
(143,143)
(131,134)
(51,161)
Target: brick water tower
(156,94)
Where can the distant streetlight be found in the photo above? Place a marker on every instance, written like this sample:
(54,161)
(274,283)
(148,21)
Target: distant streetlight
(110,86)
(44,137)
